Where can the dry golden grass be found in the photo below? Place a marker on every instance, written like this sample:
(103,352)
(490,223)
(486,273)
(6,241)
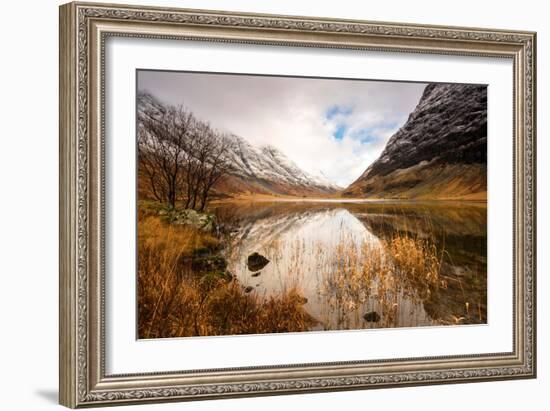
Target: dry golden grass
(175,301)
(416,260)
(230,311)
(169,241)
(429,181)
(379,275)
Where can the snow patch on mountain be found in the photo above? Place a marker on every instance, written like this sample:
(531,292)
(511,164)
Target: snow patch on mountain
(265,163)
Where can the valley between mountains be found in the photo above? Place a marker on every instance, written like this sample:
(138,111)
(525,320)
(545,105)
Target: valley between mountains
(236,238)
(439,153)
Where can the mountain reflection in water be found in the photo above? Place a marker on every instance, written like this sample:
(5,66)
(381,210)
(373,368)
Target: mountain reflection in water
(322,248)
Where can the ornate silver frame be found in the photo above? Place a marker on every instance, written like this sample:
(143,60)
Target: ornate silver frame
(83,30)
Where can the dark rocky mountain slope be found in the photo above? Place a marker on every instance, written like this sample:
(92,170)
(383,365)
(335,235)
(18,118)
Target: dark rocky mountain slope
(439,153)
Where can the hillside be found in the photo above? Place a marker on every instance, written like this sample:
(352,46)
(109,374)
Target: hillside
(439,153)
(266,170)
(255,170)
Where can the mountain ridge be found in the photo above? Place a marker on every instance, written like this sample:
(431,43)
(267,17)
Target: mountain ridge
(439,153)
(256,169)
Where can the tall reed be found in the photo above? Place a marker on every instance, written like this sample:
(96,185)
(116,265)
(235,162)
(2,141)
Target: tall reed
(372,276)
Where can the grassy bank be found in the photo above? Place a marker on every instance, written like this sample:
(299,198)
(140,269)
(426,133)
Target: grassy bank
(184,289)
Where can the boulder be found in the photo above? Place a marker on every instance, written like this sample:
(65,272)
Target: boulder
(201,221)
(372,317)
(256,262)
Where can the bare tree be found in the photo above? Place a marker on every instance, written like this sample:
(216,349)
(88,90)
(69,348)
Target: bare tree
(217,164)
(161,149)
(198,153)
(208,160)
(181,157)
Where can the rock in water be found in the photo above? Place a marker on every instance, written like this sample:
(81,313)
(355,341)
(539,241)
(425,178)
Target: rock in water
(372,317)
(256,274)
(256,262)
(248,289)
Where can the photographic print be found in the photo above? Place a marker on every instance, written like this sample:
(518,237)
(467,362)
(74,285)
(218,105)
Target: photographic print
(270,204)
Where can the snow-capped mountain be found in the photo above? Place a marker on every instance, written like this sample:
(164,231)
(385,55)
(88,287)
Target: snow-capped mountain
(146,103)
(263,169)
(270,165)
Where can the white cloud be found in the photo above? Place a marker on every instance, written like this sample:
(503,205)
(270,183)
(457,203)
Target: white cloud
(294,114)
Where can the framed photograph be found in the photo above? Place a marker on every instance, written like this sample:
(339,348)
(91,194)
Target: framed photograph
(259,204)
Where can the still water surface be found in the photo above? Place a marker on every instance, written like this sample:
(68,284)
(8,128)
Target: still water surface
(304,243)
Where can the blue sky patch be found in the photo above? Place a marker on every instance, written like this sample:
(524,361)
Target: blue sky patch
(340,131)
(366,135)
(371,135)
(338,110)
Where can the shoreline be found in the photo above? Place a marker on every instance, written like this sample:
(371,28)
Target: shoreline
(337,200)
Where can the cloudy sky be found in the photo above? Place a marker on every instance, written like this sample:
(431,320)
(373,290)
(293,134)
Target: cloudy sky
(337,127)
